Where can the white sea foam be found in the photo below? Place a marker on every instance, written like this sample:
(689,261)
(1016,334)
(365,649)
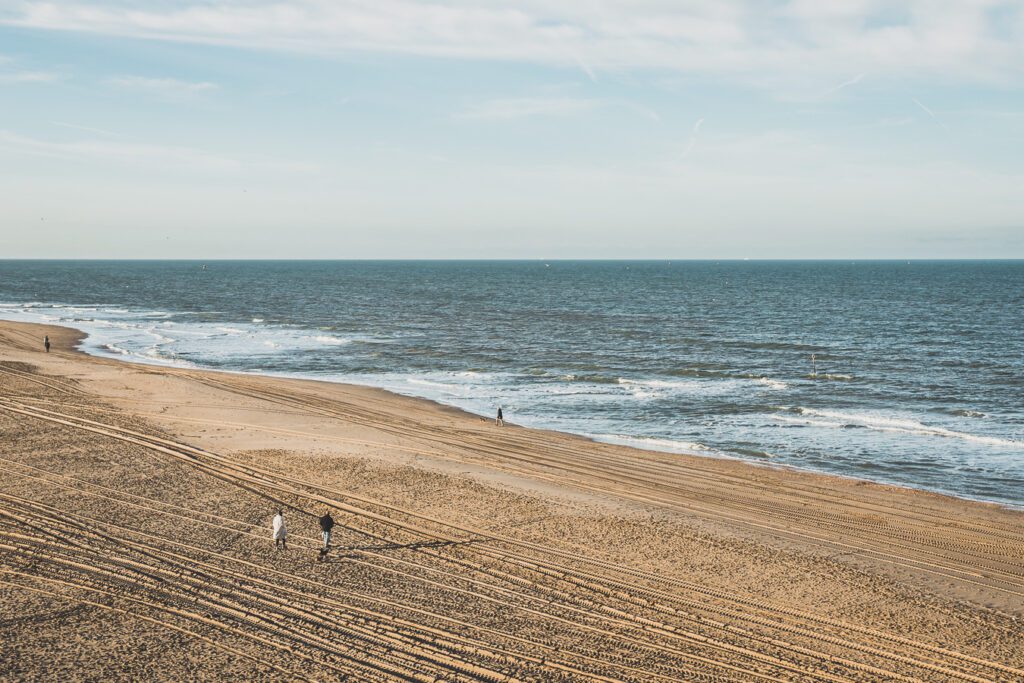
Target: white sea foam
(161,339)
(655,383)
(654,444)
(653,388)
(114,348)
(833,418)
(808,422)
(450,388)
(656,388)
(591,400)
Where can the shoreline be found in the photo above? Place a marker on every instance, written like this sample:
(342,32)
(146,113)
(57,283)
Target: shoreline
(77,337)
(135,508)
(81,336)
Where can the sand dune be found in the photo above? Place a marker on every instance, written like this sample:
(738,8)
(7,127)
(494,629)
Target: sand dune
(135,507)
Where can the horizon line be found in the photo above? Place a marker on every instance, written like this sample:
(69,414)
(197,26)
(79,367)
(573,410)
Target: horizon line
(513,260)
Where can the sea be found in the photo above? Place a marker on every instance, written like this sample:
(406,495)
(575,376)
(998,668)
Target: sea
(909,373)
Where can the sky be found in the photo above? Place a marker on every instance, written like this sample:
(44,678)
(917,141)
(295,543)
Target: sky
(492,129)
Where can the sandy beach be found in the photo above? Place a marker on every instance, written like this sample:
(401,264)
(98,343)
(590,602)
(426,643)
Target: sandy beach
(135,543)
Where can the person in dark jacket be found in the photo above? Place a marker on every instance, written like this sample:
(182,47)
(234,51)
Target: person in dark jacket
(326,524)
(46,343)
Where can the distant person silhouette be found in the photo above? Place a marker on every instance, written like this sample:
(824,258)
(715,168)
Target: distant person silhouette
(46,343)
(326,524)
(280,532)
(500,420)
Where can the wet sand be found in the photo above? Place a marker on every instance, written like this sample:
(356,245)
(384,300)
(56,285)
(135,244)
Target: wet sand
(135,507)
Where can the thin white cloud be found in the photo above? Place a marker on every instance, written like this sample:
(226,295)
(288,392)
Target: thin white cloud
(894,122)
(993,113)
(524,107)
(923,108)
(117,152)
(591,74)
(87,129)
(747,40)
(18,77)
(692,142)
(150,157)
(144,155)
(646,112)
(845,84)
(930,113)
(167,88)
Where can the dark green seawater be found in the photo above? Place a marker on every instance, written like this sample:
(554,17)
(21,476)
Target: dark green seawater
(917,377)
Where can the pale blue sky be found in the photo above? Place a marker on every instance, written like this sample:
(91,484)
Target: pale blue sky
(463,129)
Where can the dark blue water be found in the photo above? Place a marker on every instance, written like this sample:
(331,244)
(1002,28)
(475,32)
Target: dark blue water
(917,375)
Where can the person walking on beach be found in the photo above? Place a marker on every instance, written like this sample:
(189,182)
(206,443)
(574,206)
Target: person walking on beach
(46,343)
(280,532)
(326,524)
(500,420)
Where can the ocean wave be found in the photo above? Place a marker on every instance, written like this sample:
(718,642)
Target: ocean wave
(830,376)
(807,422)
(594,379)
(332,341)
(257,320)
(654,383)
(773,346)
(161,338)
(654,444)
(722,385)
(477,377)
(571,389)
(753,453)
(114,348)
(968,413)
(832,418)
(116,324)
(456,388)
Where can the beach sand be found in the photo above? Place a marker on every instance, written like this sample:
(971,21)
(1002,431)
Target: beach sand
(135,543)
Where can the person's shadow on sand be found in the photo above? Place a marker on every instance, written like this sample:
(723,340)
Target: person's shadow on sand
(418,545)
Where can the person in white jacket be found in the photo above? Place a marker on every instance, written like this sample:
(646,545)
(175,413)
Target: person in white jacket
(280,532)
